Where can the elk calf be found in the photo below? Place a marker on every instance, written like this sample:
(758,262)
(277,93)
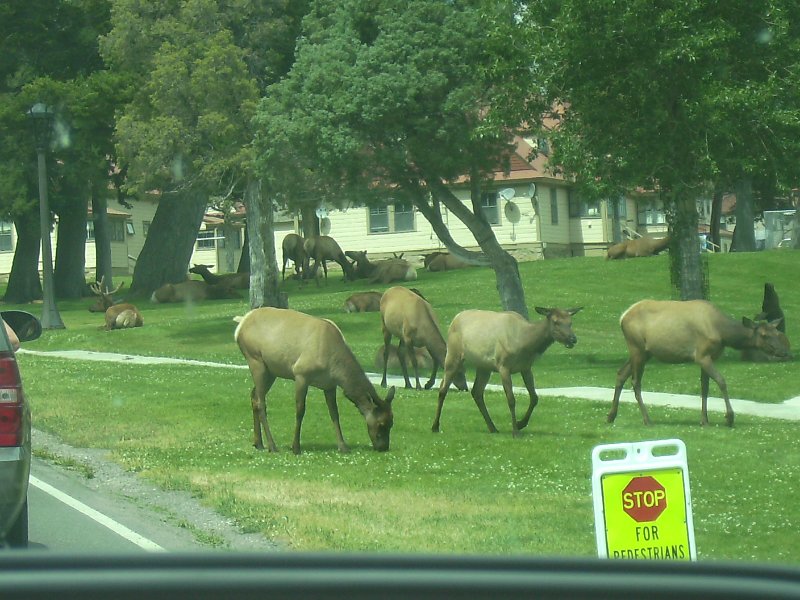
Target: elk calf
(292,345)
(117,316)
(408,316)
(504,342)
(363,302)
(683,332)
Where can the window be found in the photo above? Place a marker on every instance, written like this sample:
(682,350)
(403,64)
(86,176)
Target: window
(554,206)
(129,227)
(116,230)
(543,146)
(490,208)
(651,212)
(206,239)
(578,207)
(6,241)
(391,218)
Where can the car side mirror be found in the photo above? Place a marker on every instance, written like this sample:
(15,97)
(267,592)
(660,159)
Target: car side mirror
(25,325)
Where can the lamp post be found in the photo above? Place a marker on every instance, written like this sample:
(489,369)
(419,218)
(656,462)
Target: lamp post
(42,118)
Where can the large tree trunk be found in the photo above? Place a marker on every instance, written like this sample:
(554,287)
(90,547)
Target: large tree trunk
(69,274)
(716,215)
(24,284)
(102,237)
(170,242)
(684,255)
(264,266)
(744,237)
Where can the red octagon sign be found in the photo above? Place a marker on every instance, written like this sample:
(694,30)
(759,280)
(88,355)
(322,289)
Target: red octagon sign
(644,499)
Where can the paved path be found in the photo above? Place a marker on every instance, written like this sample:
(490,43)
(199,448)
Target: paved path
(788,410)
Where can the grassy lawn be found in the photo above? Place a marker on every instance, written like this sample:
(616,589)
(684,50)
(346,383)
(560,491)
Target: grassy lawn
(463,490)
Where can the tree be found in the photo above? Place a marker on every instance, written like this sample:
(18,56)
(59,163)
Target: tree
(395,100)
(674,96)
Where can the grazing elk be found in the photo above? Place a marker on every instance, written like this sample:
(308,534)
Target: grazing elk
(293,249)
(292,345)
(382,271)
(770,311)
(643,246)
(191,290)
(504,342)
(363,302)
(410,317)
(117,316)
(240,281)
(687,331)
(323,248)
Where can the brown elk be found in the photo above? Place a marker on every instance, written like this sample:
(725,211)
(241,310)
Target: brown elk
(293,249)
(503,342)
(117,316)
(363,302)
(770,311)
(323,248)
(410,317)
(633,248)
(239,281)
(312,351)
(687,331)
(191,290)
(382,271)
(443,261)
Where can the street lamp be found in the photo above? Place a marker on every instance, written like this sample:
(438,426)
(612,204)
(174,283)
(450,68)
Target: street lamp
(42,118)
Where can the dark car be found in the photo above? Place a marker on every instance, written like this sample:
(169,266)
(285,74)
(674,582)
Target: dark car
(15,433)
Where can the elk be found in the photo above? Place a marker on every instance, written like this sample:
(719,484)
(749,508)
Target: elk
(643,246)
(323,248)
(239,281)
(443,261)
(191,290)
(363,302)
(770,311)
(504,342)
(293,249)
(393,365)
(408,316)
(687,331)
(383,271)
(312,351)
(117,316)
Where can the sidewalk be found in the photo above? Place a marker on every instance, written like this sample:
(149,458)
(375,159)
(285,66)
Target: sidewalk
(787,410)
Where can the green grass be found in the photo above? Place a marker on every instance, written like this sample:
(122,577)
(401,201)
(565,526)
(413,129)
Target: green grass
(463,490)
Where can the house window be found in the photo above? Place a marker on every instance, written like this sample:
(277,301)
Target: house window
(129,227)
(206,239)
(580,208)
(651,212)
(116,230)
(554,206)
(395,217)
(6,243)
(490,209)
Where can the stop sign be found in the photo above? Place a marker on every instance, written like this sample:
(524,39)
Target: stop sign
(644,499)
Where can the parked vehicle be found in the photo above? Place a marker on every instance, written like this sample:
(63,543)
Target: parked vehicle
(15,432)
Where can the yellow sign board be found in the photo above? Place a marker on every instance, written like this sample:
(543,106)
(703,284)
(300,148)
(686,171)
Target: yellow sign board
(642,502)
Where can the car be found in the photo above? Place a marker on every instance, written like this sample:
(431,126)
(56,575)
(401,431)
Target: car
(15,432)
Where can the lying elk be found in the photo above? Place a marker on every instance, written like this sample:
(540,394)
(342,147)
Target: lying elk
(117,316)
(239,281)
(443,261)
(382,271)
(363,302)
(683,332)
(191,290)
(643,246)
(503,342)
(292,249)
(410,317)
(323,248)
(292,345)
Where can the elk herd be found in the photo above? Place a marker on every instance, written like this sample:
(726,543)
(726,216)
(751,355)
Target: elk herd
(312,352)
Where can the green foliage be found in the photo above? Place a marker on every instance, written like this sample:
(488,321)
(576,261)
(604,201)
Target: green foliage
(464,490)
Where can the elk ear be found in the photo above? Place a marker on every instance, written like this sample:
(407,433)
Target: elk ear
(776,322)
(543,311)
(390,396)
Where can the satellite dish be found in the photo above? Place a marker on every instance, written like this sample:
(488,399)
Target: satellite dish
(507,193)
(325,226)
(512,213)
(321,212)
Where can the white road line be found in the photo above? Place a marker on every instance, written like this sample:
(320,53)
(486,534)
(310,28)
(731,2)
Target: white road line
(99,517)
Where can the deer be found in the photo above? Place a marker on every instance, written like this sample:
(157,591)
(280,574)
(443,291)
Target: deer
(293,249)
(191,290)
(405,314)
(323,248)
(643,246)
(383,271)
(239,281)
(280,342)
(363,302)
(117,316)
(675,331)
(503,342)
